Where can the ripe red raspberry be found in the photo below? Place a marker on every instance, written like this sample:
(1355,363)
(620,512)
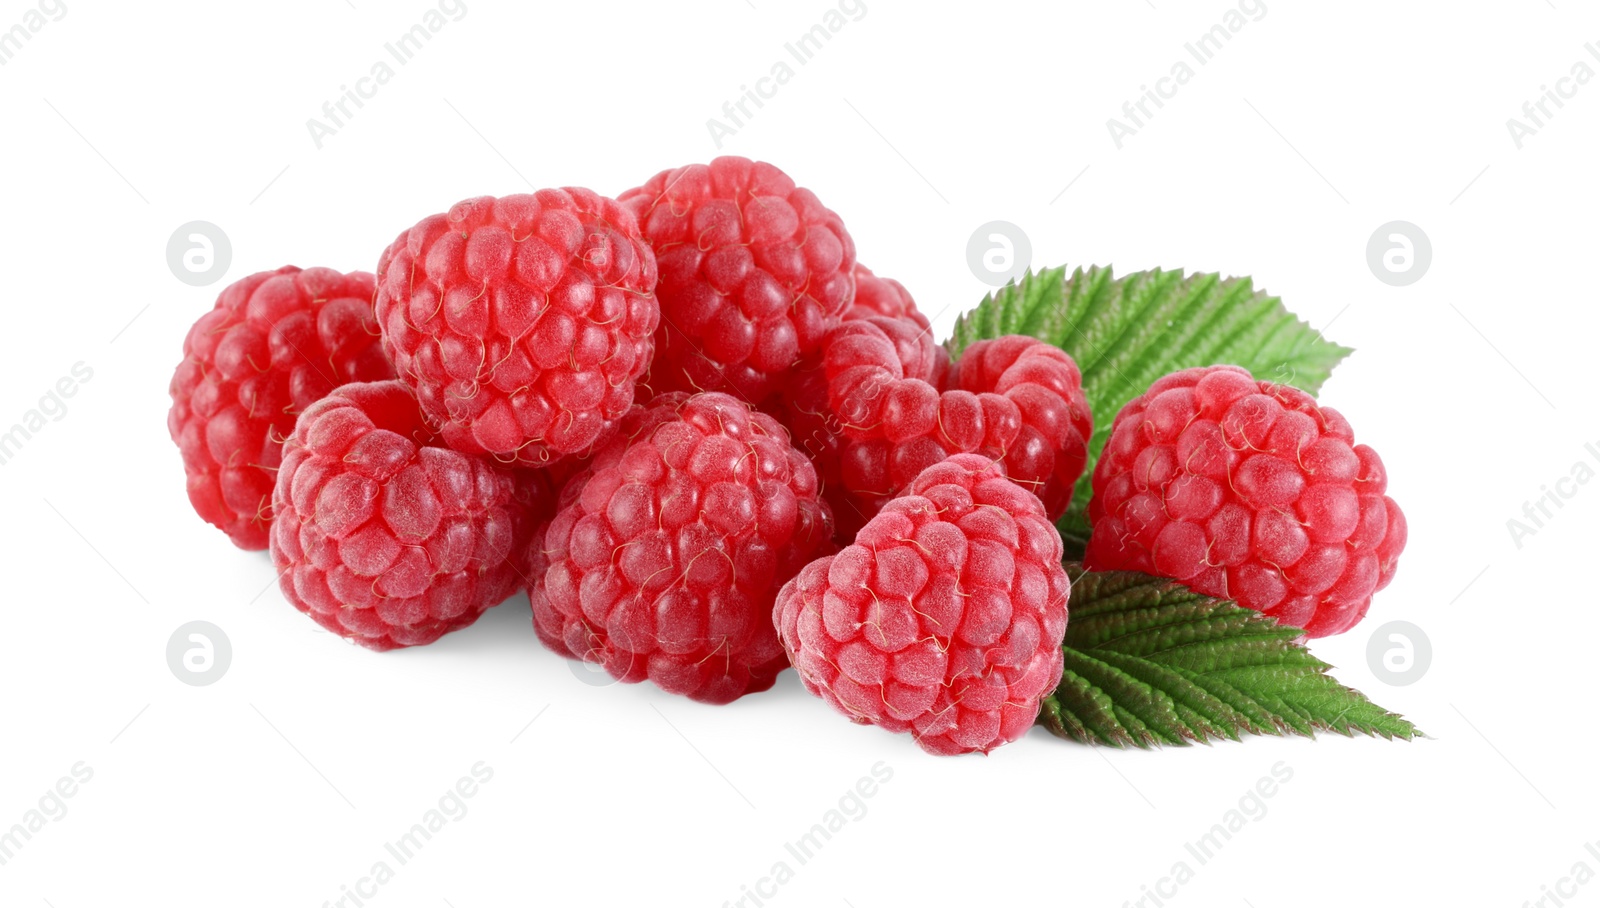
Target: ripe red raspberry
(666,554)
(384,536)
(1050,450)
(275,343)
(754,273)
(1249,491)
(944,619)
(883,296)
(522,322)
(802,403)
(877,296)
(1013,398)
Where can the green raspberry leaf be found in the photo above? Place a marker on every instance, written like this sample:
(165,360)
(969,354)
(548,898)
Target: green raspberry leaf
(1150,662)
(1127,332)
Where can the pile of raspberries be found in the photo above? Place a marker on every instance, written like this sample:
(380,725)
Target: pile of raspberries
(711,445)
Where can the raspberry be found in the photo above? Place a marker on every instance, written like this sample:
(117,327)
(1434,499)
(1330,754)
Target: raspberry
(522,322)
(666,554)
(868,362)
(387,538)
(802,404)
(1013,398)
(754,273)
(946,616)
(275,343)
(883,296)
(1050,450)
(878,296)
(1249,491)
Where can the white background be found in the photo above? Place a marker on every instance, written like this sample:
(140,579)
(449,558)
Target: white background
(280,784)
